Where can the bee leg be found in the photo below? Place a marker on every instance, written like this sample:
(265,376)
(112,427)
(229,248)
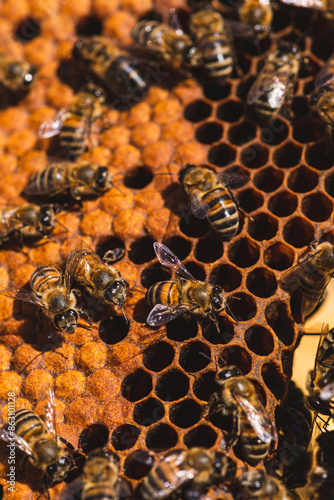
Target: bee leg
(113,255)
(75,194)
(211,406)
(66,443)
(19,238)
(85,315)
(235,432)
(238,204)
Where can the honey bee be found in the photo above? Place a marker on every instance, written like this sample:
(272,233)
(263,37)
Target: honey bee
(325,6)
(74,124)
(258,15)
(183,295)
(257,485)
(274,84)
(197,466)
(79,179)
(15,75)
(321,478)
(211,197)
(311,276)
(115,68)
(252,428)
(39,441)
(322,98)
(102,281)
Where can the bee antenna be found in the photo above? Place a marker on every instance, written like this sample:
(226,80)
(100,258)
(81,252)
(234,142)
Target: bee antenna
(62,225)
(227,307)
(124,316)
(84,326)
(118,189)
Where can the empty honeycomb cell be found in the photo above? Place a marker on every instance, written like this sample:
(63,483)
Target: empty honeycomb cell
(137,385)
(274,133)
(172,385)
(208,250)
(209,132)
(250,199)
(141,250)
(193,227)
(278,256)
(222,154)
(113,330)
(216,92)
(185,414)
(243,88)
(180,246)
(197,111)
(242,133)
(89,26)
(268,179)
(320,155)
(205,385)
(138,177)
(260,391)
(243,252)
(223,335)
(303,179)
(92,437)
(148,412)
(153,274)
(138,464)
(254,156)
(236,356)
(288,155)
(321,45)
(308,129)
(160,438)
(196,270)
(262,227)
(273,379)
(125,437)
(27,29)
(329,184)
(298,232)
(287,363)
(194,356)
(158,357)
(261,282)
(226,276)
(278,318)
(243,306)
(259,340)
(283,203)
(203,435)
(317,207)
(230,111)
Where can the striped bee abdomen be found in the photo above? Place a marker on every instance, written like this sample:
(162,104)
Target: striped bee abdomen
(253,449)
(49,180)
(216,55)
(45,278)
(74,133)
(223,214)
(28,424)
(162,480)
(164,292)
(128,77)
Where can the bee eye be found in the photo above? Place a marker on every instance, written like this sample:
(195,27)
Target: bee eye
(101,177)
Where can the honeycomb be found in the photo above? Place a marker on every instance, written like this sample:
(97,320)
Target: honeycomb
(143,388)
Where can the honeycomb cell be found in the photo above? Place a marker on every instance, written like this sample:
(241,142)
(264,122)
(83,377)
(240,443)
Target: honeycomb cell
(317,207)
(185,414)
(141,250)
(262,227)
(27,29)
(205,385)
(196,270)
(226,276)
(305,130)
(138,177)
(254,156)
(162,437)
(230,111)
(242,133)
(243,88)
(221,155)
(261,282)
(288,155)
(268,179)
(137,385)
(259,340)
(203,435)
(208,250)
(193,227)
(180,246)
(327,236)
(182,329)
(320,155)
(113,330)
(225,332)
(243,252)
(283,203)
(125,437)
(153,274)
(89,26)
(250,199)
(92,437)
(193,356)
(277,316)
(216,92)
(138,464)
(279,256)
(243,306)
(273,379)
(260,391)
(303,179)
(197,111)
(275,133)
(172,385)
(236,356)
(158,357)
(298,232)
(209,132)
(148,412)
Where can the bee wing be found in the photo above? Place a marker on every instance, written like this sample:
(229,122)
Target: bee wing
(290,280)
(197,205)
(50,128)
(162,314)
(168,259)
(239,29)
(233,179)
(259,419)
(326,73)
(21,444)
(24,295)
(307,4)
(50,415)
(273,88)
(71,264)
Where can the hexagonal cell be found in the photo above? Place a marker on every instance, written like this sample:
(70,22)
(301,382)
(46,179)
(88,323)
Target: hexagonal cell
(260,391)
(328,236)
(244,86)
(191,357)
(288,155)
(92,437)
(236,356)
(242,133)
(197,111)
(203,435)
(141,250)
(268,179)
(321,45)
(113,330)
(254,156)
(160,438)
(226,276)
(320,155)
(158,357)
(196,270)
(261,282)
(329,184)
(243,306)
(27,29)
(125,437)
(303,179)
(148,412)
(88,26)
(182,329)
(259,340)
(300,106)
(216,92)
(283,204)
(273,379)
(138,464)
(262,227)
(138,177)
(279,256)
(205,385)
(250,199)
(208,250)
(221,155)
(244,252)
(278,319)
(230,111)
(308,129)
(137,385)
(317,207)
(108,244)
(298,232)
(153,274)
(185,414)
(172,385)
(180,246)
(274,133)
(193,227)
(209,132)
(225,333)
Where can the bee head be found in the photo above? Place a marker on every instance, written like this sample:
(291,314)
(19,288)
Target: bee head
(102,181)
(253,481)
(217,300)
(184,171)
(46,219)
(57,471)
(318,405)
(227,373)
(76,52)
(116,293)
(66,320)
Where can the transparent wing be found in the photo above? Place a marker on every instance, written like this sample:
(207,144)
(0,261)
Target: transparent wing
(259,419)
(161,314)
(21,444)
(50,128)
(50,415)
(307,4)
(197,205)
(273,87)
(71,264)
(240,30)
(233,179)
(290,280)
(24,295)
(326,73)
(168,259)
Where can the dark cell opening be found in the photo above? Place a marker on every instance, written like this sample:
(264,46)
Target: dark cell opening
(182,329)
(180,246)
(203,435)
(320,155)
(191,357)
(185,414)
(113,330)
(216,92)
(259,340)
(260,391)
(298,232)
(287,363)
(1,492)
(153,274)
(148,412)
(254,156)
(322,45)
(303,179)
(263,227)
(328,236)
(278,318)
(108,244)
(92,437)
(273,379)
(329,185)
(137,385)
(236,356)
(242,133)
(299,107)
(244,252)
(205,385)
(279,256)
(261,282)
(209,132)
(197,111)
(242,306)
(288,155)
(141,250)
(283,204)
(268,179)
(125,437)
(161,438)
(317,207)
(192,226)
(275,133)
(172,385)
(226,276)
(158,357)
(196,270)
(138,178)
(250,199)
(138,464)
(230,111)
(209,250)
(89,26)
(308,129)
(225,333)
(243,88)
(27,29)
(221,154)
